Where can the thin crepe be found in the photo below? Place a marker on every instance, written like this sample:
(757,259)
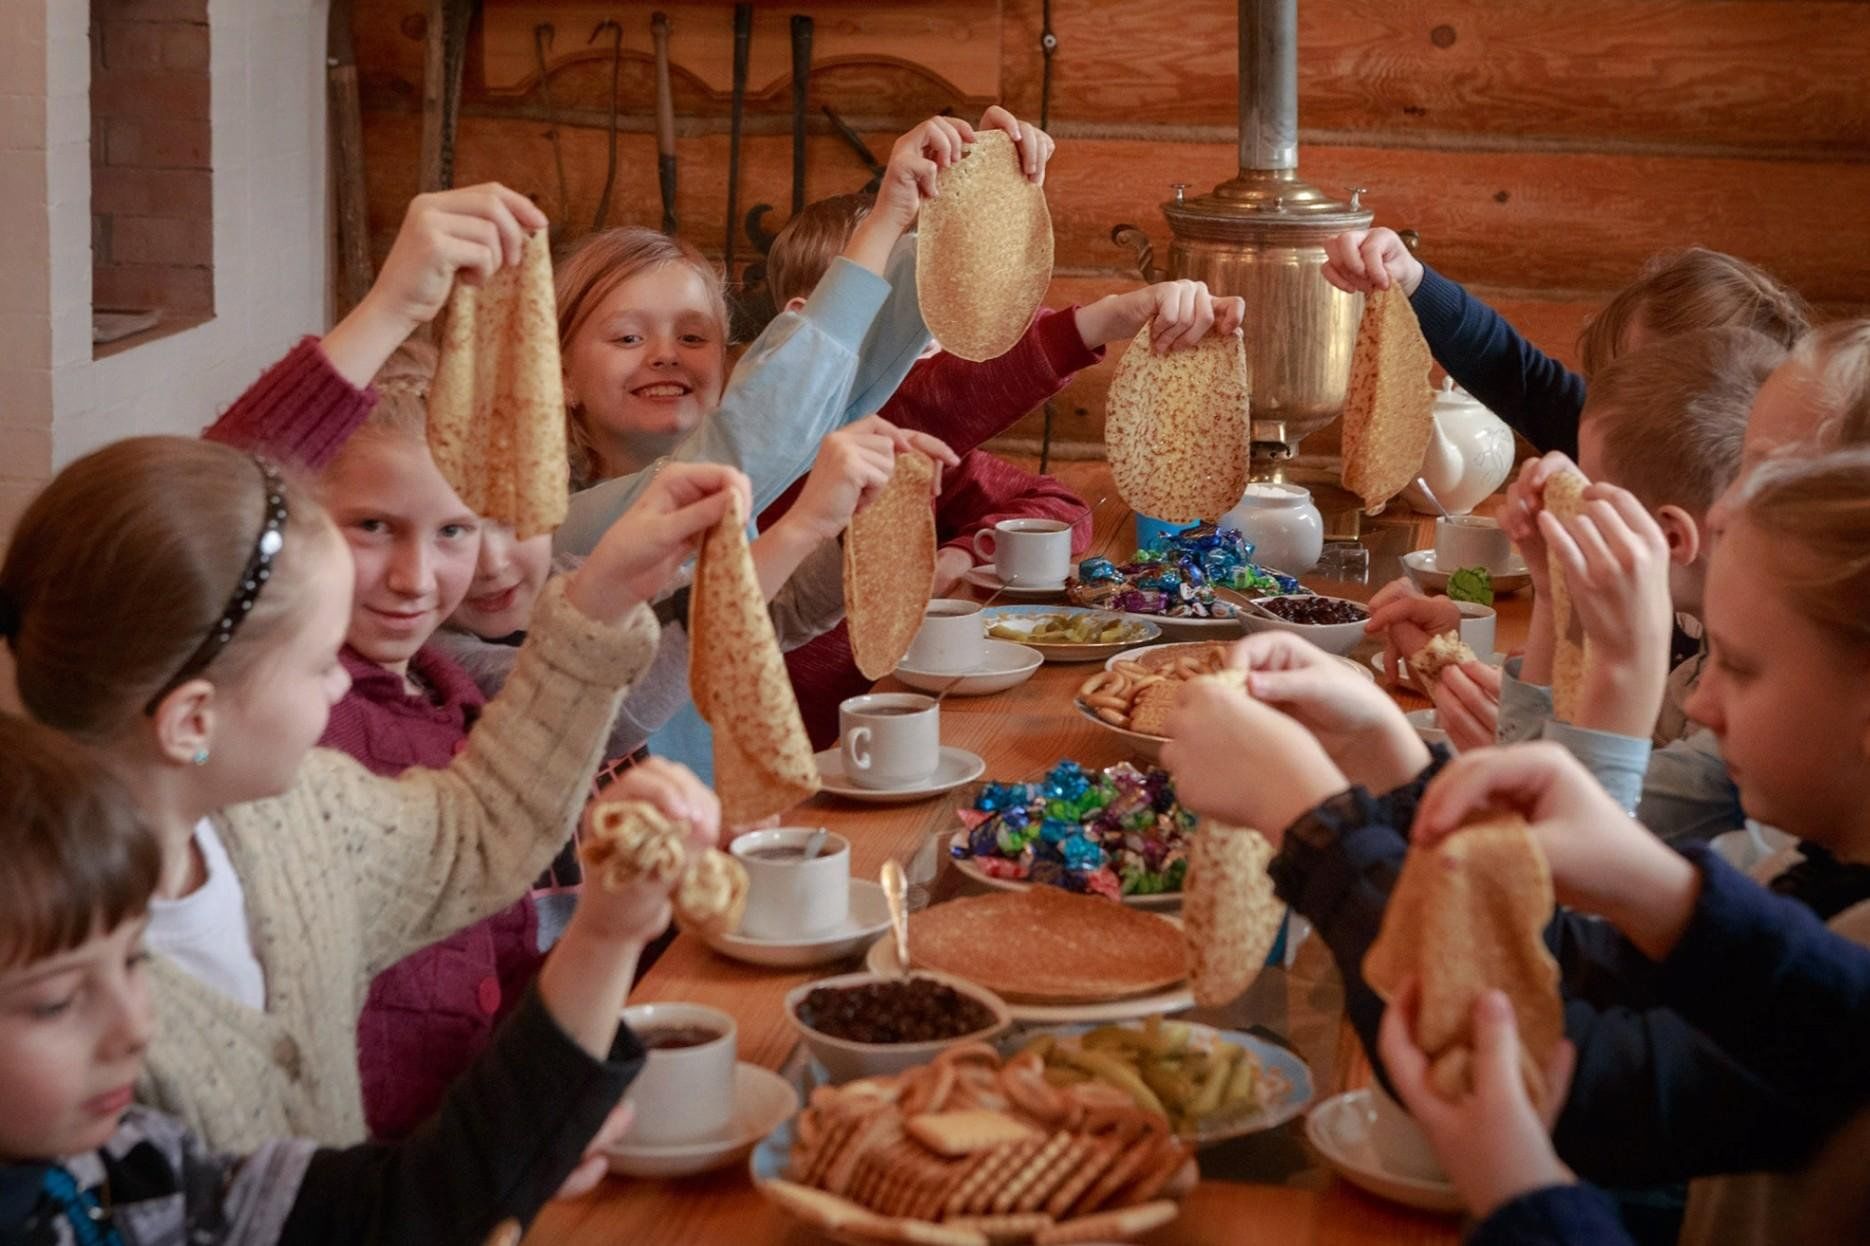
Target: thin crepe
(983,251)
(762,757)
(1571,654)
(631,841)
(496,423)
(889,566)
(1464,917)
(1230,916)
(1388,407)
(1176,429)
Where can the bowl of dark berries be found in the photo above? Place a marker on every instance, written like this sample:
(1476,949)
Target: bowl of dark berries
(870,1025)
(1334,624)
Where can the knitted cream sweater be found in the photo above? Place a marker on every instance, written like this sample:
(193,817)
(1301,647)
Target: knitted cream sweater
(347,873)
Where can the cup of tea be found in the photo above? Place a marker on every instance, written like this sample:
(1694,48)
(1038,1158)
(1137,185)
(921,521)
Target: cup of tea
(1471,541)
(890,739)
(789,897)
(950,641)
(1477,627)
(685,1092)
(1030,553)
(1399,1141)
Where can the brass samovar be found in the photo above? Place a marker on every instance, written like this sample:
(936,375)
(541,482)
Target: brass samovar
(1261,235)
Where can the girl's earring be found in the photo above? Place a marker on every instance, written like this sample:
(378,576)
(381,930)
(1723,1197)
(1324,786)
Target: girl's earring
(201,757)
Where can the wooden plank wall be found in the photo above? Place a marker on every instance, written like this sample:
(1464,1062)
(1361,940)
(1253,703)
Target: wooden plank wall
(1544,148)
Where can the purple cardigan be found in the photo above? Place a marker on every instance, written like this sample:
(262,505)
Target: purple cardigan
(429,1015)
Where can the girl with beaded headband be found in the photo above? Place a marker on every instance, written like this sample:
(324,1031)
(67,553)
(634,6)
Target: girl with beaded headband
(290,876)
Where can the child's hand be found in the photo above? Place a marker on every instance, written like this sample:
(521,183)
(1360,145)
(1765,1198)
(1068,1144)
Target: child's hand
(1035,145)
(852,464)
(1406,619)
(1616,562)
(1494,1142)
(911,175)
(1179,314)
(951,563)
(639,912)
(595,1165)
(1467,704)
(636,557)
(469,233)
(1213,730)
(1602,860)
(1525,502)
(1360,728)
(1358,261)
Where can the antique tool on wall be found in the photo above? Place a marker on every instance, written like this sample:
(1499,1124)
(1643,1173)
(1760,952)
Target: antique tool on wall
(542,36)
(743,41)
(444,56)
(801,84)
(1261,235)
(616,72)
(665,120)
(350,221)
(855,141)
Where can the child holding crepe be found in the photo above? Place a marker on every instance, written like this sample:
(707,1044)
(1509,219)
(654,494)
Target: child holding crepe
(1541,397)
(81,1163)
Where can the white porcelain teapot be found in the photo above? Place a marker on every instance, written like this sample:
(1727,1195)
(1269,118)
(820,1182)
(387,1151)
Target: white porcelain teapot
(1469,455)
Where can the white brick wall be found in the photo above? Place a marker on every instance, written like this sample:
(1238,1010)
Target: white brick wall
(268,116)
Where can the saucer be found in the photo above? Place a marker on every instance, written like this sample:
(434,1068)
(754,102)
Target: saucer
(1430,578)
(1339,1130)
(957,766)
(762,1100)
(869,917)
(1004,664)
(987,579)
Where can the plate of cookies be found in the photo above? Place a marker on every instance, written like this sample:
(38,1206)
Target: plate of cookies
(973,1150)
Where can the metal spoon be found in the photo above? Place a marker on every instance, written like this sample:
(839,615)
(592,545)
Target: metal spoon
(896,893)
(1430,495)
(816,844)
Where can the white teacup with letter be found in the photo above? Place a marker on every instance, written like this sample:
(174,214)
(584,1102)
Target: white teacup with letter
(950,641)
(1471,541)
(1029,553)
(890,739)
(789,897)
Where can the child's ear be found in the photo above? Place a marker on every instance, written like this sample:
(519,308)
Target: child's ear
(184,722)
(1683,534)
(795,303)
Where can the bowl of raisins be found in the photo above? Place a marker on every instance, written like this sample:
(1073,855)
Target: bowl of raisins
(1334,624)
(870,1025)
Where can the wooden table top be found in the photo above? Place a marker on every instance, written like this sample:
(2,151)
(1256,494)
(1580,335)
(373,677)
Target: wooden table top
(1264,1188)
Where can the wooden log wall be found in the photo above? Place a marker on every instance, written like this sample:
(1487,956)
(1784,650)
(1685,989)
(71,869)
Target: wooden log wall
(1544,149)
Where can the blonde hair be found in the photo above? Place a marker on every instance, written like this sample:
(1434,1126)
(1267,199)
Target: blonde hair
(1814,506)
(1673,413)
(587,276)
(402,386)
(1692,289)
(814,237)
(1836,358)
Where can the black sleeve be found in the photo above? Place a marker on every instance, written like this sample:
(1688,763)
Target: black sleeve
(508,1134)
(1487,357)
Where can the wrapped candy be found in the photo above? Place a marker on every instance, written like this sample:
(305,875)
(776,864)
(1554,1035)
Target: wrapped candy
(1099,571)
(1137,601)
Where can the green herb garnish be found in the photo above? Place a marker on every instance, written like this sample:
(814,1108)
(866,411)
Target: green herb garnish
(1471,584)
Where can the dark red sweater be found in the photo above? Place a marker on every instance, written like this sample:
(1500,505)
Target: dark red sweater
(963,403)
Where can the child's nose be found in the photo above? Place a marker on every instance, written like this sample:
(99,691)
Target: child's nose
(410,570)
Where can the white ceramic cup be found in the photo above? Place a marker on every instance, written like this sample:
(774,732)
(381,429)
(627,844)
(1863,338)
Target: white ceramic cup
(890,739)
(1477,627)
(1399,1142)
(1471,541)
(950,641)
(1035,553)
(789,897)
(683,1094)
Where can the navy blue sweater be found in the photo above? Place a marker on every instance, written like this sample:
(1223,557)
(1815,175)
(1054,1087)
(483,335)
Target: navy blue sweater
(1670,1082)
(1488,358)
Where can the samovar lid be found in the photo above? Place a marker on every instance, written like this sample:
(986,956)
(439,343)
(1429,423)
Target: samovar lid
(1269,203)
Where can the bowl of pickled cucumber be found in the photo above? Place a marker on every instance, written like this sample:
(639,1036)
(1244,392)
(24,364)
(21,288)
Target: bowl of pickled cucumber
(1068,633)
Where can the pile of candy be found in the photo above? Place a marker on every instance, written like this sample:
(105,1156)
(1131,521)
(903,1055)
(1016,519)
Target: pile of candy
(1178,578)
(1118,832)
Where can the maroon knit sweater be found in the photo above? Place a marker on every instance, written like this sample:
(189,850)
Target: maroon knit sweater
(429,1015)
(964,404)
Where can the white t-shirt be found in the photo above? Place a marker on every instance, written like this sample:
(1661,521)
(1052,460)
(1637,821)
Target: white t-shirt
(205,932)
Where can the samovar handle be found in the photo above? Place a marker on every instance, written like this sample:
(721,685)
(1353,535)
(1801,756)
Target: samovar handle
(1138,241)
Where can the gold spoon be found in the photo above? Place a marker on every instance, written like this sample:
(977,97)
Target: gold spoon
(896,893)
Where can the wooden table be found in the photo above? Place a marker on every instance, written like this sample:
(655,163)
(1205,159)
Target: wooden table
(1270,1189)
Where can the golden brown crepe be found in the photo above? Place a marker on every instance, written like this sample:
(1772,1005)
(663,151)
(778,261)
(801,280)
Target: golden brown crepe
(497,406)
(1388,408)
(1230,916)
(631,841)
(1467,916)
(983,251)
(1047,945)
(889,566)
(1571,655)
(762,757)
(1176,429)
